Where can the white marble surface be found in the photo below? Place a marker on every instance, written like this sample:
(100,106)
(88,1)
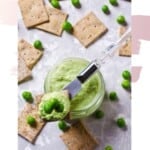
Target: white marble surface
(58,48)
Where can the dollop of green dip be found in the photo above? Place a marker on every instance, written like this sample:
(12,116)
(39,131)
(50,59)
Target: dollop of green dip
(67,71)
(54,106)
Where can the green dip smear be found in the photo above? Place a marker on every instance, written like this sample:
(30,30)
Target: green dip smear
(67,71)
(54,106)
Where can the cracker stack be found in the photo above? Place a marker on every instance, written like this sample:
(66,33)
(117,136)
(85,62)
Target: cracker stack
(36,14)
(24,73)
(27,58)
(56,19)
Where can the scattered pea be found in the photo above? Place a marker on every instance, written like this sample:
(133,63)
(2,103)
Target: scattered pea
(113,2)
(50,105)
(108,147)
(121,20)
(113,96)
(27,96)
(126,75)
(31,121)
(105,9)
(121,123)
(38,44)
(55,3)
(62,125)
(76,3)
(67,26)
(99,114)
(126,84)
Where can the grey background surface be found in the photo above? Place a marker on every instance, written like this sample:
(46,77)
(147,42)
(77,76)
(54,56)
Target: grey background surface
(58,48)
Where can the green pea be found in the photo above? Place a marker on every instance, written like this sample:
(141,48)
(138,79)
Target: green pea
(67,26)
(76,3)
(27,96)
(62,125)
(121,123)
(108,147)
(38,44)
(113,96)
(59,107)
(113,2)
(105,9)
(99,114)
(121,20)
(31,121)
(55,3)
(126,75)
(126,84)
(50,105)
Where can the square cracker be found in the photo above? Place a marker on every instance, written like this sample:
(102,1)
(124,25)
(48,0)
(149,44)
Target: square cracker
(56,19)
(24,73)
(126,49)
(89,29)
(78,138)
(25,130)
(122,30)
(30,54)
(33,12)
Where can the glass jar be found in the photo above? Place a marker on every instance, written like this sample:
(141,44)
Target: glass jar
(89,99)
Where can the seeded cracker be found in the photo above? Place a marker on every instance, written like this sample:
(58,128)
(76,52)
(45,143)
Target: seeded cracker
(78,138)
(33,12)
(24,73)
(56,19)
(122,30)
(126,49)
(30,55)
(25,130)
(89,29)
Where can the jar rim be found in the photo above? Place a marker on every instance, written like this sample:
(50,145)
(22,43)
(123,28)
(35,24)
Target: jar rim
(99,95)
